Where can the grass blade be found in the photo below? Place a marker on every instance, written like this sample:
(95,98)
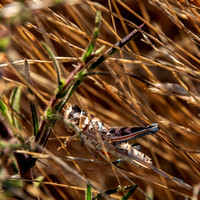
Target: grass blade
(113,50)
(4,111)
(34,118)
(112,191)
(56,64)
(32,105)
(15,104)
(89,192)
(90,48)
(130,192)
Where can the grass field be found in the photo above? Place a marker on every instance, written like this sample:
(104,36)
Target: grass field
(57,53)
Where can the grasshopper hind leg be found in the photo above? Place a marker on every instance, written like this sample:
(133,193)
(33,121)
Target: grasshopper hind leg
(119,161)
(136,146)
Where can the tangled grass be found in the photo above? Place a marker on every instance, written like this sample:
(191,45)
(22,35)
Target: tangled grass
(152,79)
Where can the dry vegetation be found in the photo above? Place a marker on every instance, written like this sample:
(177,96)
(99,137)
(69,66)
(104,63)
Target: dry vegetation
(153,79)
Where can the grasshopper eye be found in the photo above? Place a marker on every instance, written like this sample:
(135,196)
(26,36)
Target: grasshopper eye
(75,108)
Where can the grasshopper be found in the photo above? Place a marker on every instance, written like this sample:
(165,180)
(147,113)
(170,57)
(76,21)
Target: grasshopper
(115,139)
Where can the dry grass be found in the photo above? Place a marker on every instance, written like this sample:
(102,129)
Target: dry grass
(165,56)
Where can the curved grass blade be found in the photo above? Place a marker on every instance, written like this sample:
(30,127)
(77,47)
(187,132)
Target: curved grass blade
(15,104)
(56,64)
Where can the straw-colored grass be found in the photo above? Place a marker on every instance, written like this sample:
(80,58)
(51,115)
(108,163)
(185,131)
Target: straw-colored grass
(153,79)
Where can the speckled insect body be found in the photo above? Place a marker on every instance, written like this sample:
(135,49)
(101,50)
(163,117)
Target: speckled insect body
(117,137)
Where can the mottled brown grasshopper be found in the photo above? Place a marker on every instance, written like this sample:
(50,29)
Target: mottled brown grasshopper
(116,139)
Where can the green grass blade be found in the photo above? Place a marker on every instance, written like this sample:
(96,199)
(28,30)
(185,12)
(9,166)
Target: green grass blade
(56,64)
(90,48)
(129,193)
(32,105)
(5,111)
(89,192)
(3,108)
(34,118)
(108,192)
(15,104)
(15,99)
(62,103)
